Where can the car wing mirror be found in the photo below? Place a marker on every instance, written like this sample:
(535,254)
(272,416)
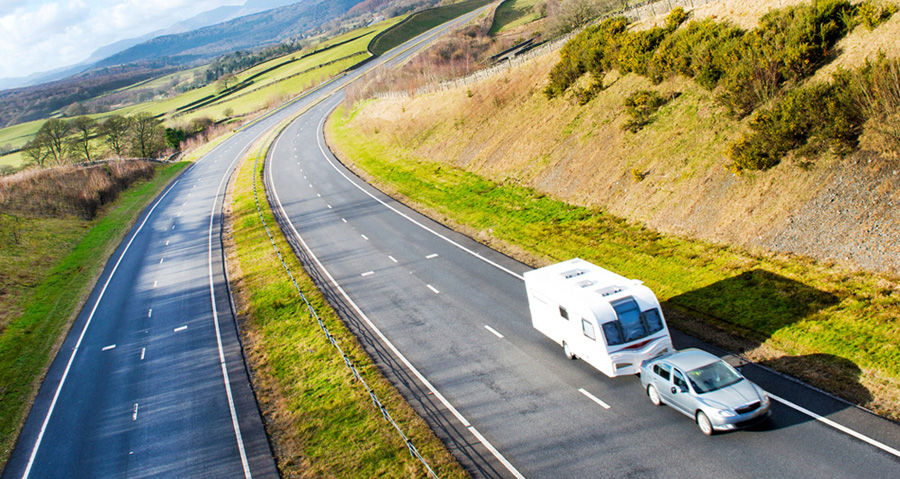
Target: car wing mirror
(674,390)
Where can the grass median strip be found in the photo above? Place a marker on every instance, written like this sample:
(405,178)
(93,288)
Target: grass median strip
(837,329)
(62,259)
(321,421)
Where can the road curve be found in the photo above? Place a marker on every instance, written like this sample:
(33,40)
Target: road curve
(515,406)
(150,381)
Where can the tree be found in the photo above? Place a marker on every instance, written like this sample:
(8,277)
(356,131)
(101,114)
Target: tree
(174,137)
(53,135)
(115,133)
(85,129)
(36,151)
(147,135)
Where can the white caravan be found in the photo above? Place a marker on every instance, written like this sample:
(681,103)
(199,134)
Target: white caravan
(611,322)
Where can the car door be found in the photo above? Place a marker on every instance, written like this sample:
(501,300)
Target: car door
(680,396)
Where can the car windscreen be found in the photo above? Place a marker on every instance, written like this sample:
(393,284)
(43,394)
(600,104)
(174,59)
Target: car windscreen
(713,376)
(632,323)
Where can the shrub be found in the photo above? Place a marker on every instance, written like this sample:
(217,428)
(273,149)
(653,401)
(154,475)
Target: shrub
(876,92)
(586,52)
(640,106)
(702,50)
(871,15)
(809,119)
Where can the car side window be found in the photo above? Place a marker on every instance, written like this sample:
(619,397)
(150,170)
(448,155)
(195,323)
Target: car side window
(679,380)
(663,370)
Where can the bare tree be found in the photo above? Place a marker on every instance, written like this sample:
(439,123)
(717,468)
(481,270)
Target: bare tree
(36,151)
(85,129)
(564,16)
(53,135)
(115,133)
(147,135)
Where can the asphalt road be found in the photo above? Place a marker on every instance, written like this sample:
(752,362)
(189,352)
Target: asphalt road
(430,303)
(150,381)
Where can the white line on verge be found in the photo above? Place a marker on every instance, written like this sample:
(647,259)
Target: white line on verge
(62,380)
(829,422)
(493,331)
(594,398)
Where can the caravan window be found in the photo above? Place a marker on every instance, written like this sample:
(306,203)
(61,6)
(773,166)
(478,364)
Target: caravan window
(632,324)
(563,312)
(588,329)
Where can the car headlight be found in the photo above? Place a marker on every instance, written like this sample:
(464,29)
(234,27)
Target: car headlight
(765,400)
(726,413)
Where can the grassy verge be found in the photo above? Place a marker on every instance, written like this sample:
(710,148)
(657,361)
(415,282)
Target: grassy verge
(321,421)
(836,329)
(421,22)
(51,271)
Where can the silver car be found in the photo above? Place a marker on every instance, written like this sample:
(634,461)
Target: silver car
(705,388)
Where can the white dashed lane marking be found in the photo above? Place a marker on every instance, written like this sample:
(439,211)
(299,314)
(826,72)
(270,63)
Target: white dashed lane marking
(594,398)
(493,331)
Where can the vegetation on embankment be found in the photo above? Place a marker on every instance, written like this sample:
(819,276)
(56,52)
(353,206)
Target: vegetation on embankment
(48,266)
(421,22)
(831,327)
(321,421)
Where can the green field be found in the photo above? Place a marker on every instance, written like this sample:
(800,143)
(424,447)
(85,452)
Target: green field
(834,328)
(46,275)
(261,86)
(514,13)
(421,22)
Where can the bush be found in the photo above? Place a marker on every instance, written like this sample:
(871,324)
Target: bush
(809,119)
(876,92)
(640,106)
(702,50)
(871,15)
(586,52)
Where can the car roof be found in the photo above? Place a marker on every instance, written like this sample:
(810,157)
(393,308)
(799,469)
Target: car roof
(688,359)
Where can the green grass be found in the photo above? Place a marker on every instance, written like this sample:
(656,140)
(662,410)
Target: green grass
(421,22)
(47,275)
(818,318)
(322,421)
(514,13)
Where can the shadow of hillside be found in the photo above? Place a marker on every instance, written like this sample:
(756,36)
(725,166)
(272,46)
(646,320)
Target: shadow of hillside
(742,312)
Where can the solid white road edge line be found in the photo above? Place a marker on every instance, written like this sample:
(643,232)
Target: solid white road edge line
(594,398)
(465,422)
(62,380)
(212,296)
(410,219)
(493,331)
(829,422)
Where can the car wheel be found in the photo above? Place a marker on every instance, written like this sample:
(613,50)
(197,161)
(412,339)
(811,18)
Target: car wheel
(704,423)
(654,395)
(568,351)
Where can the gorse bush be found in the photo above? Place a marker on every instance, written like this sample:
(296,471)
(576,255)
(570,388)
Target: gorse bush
(809,119)
(640,106)
(876,92)
(747,69)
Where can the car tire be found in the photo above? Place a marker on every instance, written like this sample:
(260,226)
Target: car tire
(568,352)
(654,395)
(704,424)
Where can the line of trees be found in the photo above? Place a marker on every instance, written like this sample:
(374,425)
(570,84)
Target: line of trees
(60,141)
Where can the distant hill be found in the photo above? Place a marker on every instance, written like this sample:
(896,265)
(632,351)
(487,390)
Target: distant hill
(251,31)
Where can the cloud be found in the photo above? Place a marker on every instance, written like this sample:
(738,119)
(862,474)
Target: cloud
(49,34)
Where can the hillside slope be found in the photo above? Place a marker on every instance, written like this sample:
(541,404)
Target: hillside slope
(671,175)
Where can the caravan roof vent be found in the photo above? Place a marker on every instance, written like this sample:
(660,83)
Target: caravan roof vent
(573,273)
(609,290)
(586,283)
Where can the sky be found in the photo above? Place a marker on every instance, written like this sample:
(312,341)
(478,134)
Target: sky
(41,35)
